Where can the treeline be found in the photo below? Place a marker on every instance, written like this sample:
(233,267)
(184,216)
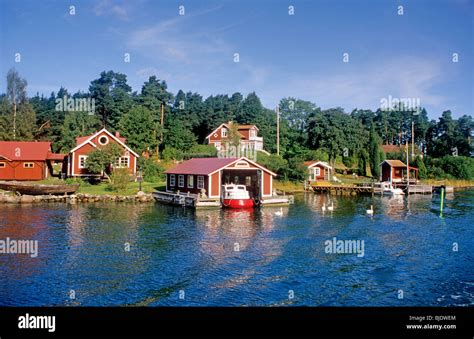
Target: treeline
(307,132)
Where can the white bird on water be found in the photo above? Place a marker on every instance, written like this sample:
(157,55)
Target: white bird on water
(331,208)
(324,207)
(280,212)
(371,211)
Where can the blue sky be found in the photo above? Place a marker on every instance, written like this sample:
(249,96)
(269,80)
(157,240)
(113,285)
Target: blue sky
(300,55)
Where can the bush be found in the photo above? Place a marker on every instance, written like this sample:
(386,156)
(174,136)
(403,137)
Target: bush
(170,153)
(457,167)
(119,179)
(151,169)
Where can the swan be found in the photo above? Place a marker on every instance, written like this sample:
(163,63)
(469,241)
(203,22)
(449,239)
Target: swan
(280,212)
(371,211)
(331,208)
(324,207)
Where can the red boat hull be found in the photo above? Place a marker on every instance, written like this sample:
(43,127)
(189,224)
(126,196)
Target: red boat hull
(238,203)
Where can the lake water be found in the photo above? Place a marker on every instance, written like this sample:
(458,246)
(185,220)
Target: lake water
(182,257)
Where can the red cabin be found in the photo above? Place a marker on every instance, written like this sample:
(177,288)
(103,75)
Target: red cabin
(27,160)
(318,171)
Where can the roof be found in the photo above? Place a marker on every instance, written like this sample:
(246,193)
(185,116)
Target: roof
(239,128)
(87,139)
(394,163)
(317,162)
(391,148)
(55,156)
(25,150)
(206,166)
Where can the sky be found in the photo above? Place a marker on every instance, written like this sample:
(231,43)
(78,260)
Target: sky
(281,53)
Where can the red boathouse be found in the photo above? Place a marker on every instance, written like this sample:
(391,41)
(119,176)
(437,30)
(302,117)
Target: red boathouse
(211,173)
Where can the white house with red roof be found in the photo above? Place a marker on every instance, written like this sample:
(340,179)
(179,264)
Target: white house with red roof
(211,173)
(84,145)
(27,160)
(249,139)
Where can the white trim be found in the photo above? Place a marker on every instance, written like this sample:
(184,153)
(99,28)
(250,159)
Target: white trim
(119,161)
(28,163)
(4,163)
(250,161)
(214,131)
(174,180)
(322,163)
(188,176)
(203,182)
(79,160)
(111,135)
(106,138)
(72,167)
(179,180)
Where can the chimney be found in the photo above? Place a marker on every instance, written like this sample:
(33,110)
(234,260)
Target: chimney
(117,134)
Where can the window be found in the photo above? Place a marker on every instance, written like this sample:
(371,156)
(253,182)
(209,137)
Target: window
(317,171)
(218,145)
(236,180)
(122,162)
(103,140)
(82,161)
(224,132)
(248,181)
(172,180)
(28,165)
(200,183)
(190,181)
(252,133)
(2,165)
(180,180)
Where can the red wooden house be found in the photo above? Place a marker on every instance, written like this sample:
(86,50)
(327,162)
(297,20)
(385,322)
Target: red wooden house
(211,173)
(84,145)
(396,171)
(248,137)
(27,160)
(318,170)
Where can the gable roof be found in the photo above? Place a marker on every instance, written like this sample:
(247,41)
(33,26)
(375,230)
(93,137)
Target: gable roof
(28,150)
(88,139)
(207,166)
(239,128)
(394,163)
(313,163)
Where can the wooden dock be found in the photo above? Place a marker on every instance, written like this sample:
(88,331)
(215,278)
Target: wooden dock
(375,189)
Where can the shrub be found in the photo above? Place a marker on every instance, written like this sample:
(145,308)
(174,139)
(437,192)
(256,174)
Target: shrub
(458,167)
(170,153)
(119,179)
(151,169)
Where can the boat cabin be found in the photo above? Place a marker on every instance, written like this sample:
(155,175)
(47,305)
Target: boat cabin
(27,160)
(208,175)
(318,170)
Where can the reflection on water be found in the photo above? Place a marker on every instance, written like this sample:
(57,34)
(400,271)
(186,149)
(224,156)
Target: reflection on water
(242,257)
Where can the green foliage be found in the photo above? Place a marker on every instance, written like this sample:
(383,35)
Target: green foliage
(319,154)
(422,172)
(296,170)
(151,169)
(456,167)
(100,159)
(180,138)
(170,153)
(76,124)
(141,129)
(374,153)
(273,162)
(119,179)
(201,151)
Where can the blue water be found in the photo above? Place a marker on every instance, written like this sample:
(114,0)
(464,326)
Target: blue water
(281,260)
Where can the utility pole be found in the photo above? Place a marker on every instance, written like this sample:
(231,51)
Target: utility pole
(412,139)
(277,110)
(408,166)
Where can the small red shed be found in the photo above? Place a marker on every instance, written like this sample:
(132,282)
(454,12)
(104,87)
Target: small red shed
(27,160)
(396,171)
(318,170)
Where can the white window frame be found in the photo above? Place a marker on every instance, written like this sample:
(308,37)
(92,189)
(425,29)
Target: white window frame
(79,161)
(224,132)
(317,171)
(190,182)
(28,163)
(118,162)
(181,180)
(200,181)
(3,164)
(173,180)
(106,138)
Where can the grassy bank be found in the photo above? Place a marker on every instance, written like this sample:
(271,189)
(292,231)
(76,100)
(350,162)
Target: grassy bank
(133,188)
(449,182)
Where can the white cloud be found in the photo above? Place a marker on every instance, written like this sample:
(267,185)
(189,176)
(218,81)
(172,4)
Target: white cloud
(107,7)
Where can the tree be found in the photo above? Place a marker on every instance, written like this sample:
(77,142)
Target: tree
(100,160)
(76,124)
(141,129)
(112,97)
(251,109)
(374,152)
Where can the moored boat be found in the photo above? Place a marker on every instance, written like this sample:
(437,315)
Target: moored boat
(38,189)
(388,189)
(236,196)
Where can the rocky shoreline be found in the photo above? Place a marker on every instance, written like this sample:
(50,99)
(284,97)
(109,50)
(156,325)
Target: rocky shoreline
(140,197)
